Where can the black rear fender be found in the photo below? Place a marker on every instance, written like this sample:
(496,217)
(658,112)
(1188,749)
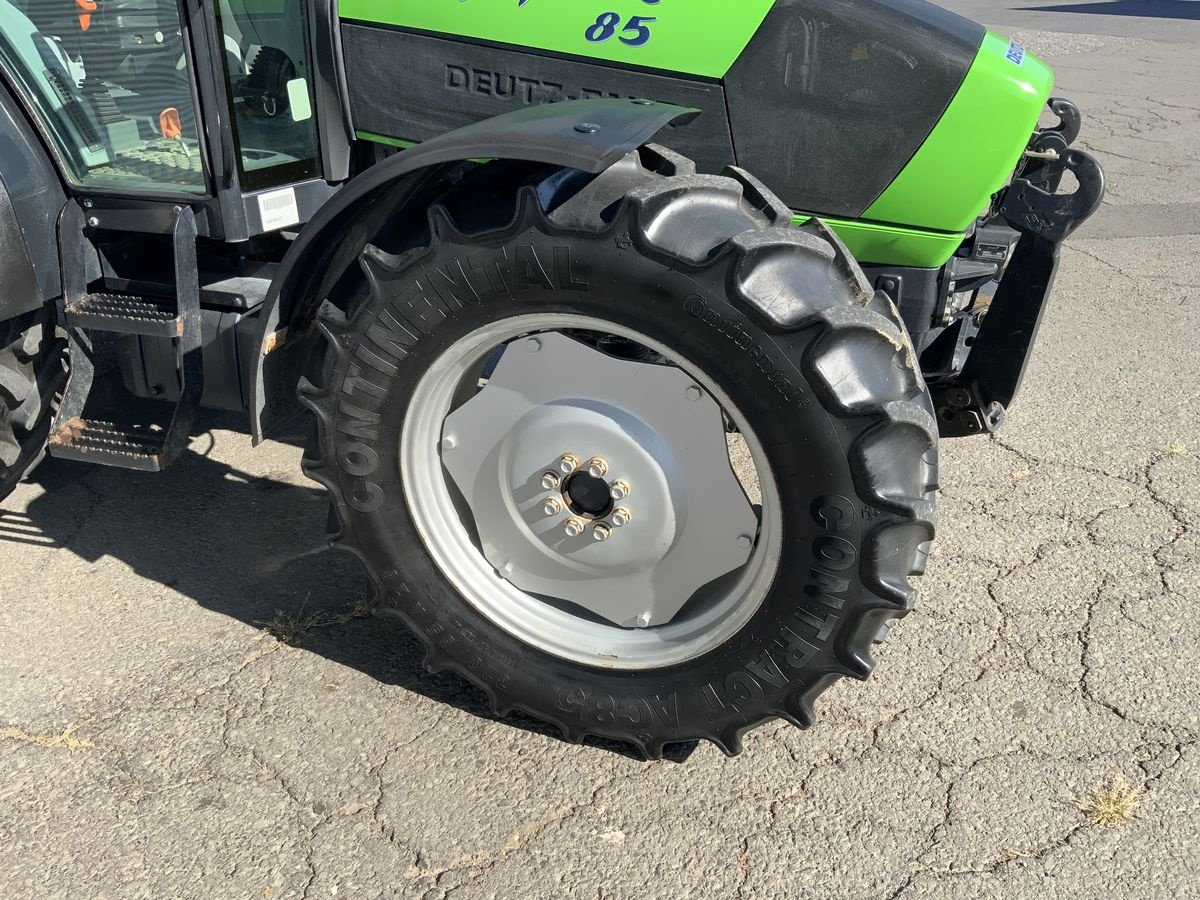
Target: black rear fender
(586,135)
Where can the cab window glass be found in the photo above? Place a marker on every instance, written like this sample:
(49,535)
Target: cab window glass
(109,81)
(269,78)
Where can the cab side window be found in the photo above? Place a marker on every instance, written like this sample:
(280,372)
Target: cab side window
(109,82)
(269,76)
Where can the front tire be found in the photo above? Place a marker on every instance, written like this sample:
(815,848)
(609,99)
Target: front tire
(778,326)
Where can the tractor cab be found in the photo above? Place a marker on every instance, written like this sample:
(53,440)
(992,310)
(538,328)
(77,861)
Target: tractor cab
(187,134)
(210,105)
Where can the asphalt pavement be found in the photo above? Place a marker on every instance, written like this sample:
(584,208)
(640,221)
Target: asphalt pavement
(157,741)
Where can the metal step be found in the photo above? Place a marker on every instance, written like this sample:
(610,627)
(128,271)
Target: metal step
(242,288)
(73,434)
(125,314)
(109,444)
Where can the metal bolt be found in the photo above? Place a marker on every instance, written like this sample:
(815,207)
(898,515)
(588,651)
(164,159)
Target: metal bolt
(597,467)
(552,507)
(958,397)
(587,128)
(694,393)
(88,203)
(601,532)
(177,209)
(745,542)
(574,527)
(551,481)
(568,463)
(533,345)
(449,443)
(620,490)
(93,221)
(643,620)
(621,517)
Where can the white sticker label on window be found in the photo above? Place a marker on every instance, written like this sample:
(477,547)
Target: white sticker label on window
(278,209)
(298,101)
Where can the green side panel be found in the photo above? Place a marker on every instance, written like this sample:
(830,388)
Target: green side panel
(890,245)
(695,37)
(974,149)
(384,139)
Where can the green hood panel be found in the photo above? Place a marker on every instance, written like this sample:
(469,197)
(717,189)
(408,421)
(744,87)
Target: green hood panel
(891,245)
(694,37)
(975,147)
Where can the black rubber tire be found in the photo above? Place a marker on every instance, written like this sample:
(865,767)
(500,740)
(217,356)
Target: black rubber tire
(32,372)
(781,318)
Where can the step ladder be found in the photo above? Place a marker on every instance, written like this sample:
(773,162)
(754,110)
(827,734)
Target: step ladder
(129,445)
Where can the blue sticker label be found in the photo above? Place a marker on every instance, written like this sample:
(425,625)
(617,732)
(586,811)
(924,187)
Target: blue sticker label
(1015,54)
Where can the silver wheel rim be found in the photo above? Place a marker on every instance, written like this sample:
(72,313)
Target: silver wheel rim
(707,622)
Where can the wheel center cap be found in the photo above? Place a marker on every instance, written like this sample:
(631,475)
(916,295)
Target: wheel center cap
(588,495)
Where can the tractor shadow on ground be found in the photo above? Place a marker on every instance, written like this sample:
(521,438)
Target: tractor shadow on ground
(1144,9)
(249,547)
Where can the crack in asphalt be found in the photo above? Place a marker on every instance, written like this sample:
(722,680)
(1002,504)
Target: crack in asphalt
(1042,853)
(1179,745)
(474,866)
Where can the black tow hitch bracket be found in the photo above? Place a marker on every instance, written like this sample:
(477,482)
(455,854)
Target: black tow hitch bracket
(976,400)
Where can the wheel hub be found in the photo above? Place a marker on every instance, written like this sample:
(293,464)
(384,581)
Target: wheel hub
(599,481)
(587,495)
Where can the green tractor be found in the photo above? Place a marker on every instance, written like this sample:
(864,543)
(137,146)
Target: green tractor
(638,443)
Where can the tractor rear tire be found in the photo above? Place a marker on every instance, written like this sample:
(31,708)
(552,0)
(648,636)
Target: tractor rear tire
(31,373)
(775,324)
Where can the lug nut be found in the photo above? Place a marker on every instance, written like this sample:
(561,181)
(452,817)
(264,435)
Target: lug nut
(552,507)
(551,481)
(621,517)
(620,490)
(601,532)
(568,463)
(574,527)
(745,542)
(597,467)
